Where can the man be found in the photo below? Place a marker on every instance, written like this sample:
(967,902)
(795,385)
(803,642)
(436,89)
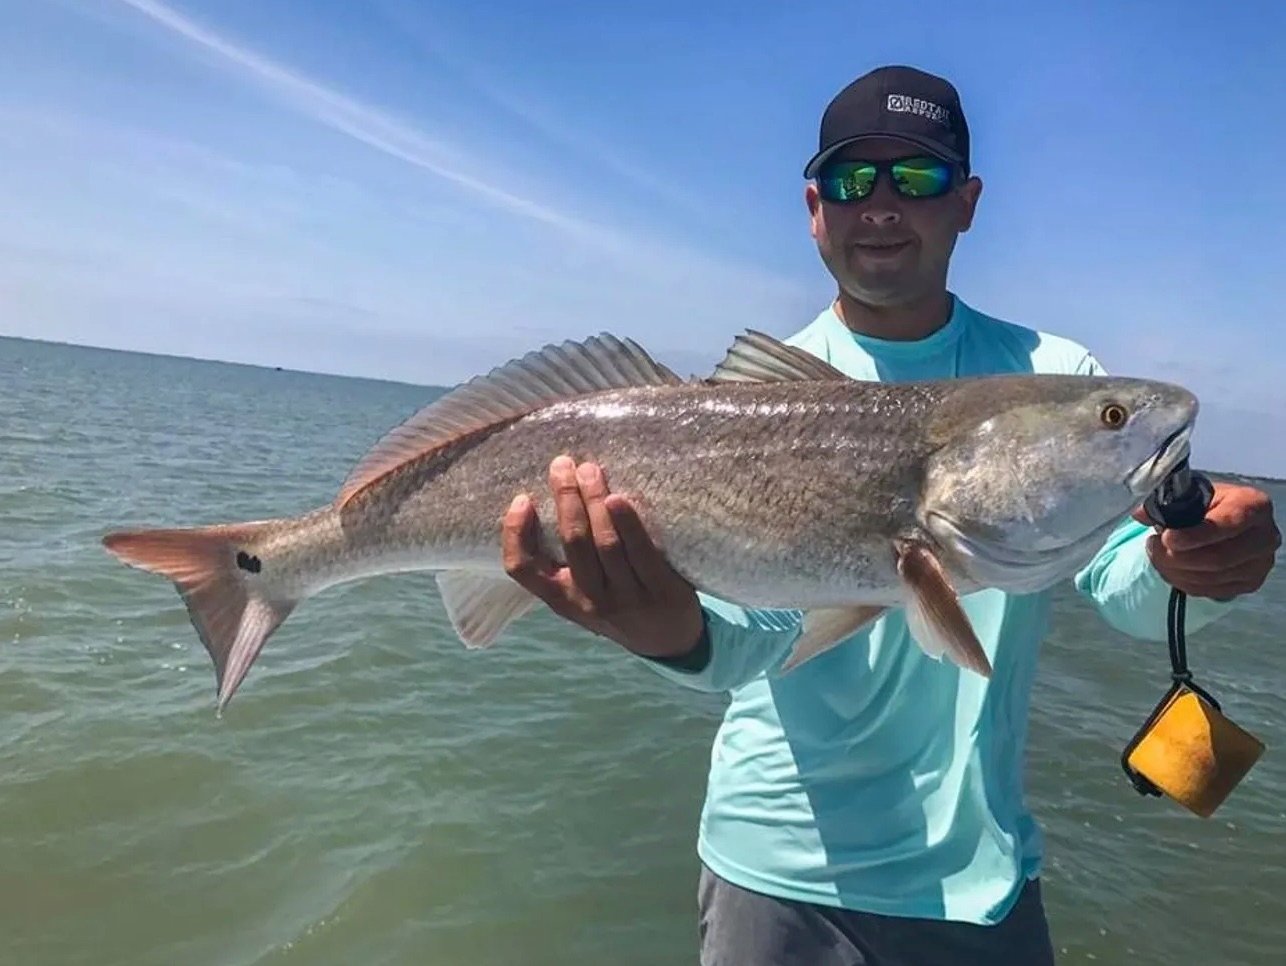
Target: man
(868,807)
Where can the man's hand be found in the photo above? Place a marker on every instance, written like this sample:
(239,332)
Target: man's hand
(1228,554)
(616,582)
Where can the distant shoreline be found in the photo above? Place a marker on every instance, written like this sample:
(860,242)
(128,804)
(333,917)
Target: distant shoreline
(1227,475)
(221,362)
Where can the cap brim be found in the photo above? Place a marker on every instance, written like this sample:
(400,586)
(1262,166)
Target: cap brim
(933,147)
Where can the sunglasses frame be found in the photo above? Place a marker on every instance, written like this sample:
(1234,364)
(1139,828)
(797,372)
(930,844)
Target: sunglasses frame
(883,168)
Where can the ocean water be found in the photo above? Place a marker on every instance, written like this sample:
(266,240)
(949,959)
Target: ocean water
(377,795)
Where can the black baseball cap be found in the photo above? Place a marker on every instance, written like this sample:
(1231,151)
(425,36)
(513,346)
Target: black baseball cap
(895,102)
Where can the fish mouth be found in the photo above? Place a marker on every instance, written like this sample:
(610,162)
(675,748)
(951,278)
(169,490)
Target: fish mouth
(1176,447)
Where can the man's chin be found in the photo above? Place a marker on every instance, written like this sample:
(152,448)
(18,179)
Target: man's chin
(883,291)
(881,264)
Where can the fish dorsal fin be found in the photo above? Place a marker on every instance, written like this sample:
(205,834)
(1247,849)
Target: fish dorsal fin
(543,376)
(756,357)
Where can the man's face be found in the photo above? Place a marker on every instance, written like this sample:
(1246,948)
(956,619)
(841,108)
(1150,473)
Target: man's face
(885,249)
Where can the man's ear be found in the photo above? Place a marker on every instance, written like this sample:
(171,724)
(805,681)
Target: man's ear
(969,193)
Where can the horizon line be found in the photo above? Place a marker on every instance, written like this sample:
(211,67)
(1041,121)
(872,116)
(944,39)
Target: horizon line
(269,367)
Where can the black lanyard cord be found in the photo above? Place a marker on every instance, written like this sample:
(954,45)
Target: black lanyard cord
(1179,647)
(1178,642)
(1180,501)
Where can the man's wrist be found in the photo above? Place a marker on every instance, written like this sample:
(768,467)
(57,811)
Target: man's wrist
(694,659)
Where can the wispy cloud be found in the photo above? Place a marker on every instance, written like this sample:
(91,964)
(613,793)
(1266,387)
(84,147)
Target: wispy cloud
(640,252)
(516,98)
(349,116)
(361,221)
(164,243)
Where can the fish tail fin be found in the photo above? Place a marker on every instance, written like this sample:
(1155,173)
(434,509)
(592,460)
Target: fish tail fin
(218,574)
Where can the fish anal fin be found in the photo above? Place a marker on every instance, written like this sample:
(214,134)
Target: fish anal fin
(552,374)
(826,627)
(933,612)
(482,605)
(756,357)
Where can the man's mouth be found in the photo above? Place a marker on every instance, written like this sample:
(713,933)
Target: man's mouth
(881,246)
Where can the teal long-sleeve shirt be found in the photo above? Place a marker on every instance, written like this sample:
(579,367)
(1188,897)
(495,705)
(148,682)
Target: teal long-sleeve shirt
(873,777)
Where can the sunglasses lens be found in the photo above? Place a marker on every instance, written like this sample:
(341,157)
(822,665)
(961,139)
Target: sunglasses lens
(922,177)
(847,181)
(912,178)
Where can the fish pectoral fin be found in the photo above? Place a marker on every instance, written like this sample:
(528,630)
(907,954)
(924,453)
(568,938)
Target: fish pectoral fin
(933,612)
(756,357)
(481,605)
(826,627)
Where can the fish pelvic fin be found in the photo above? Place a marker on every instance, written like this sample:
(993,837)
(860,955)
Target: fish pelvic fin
(215,571)
(933,612)
(756,357)
(826,627)
(482,605)
(552,374)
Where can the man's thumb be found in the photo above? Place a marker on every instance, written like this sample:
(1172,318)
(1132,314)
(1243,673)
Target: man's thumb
(1141,514)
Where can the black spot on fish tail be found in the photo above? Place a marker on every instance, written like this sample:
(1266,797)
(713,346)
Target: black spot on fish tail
(248,561)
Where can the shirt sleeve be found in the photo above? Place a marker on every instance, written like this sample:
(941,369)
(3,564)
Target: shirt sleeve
(1120,580)
(1129,593)
(738,645)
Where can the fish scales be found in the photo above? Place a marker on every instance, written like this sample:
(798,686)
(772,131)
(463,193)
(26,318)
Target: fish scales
(741,484)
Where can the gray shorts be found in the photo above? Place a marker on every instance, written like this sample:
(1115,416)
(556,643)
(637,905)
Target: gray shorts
(743,928)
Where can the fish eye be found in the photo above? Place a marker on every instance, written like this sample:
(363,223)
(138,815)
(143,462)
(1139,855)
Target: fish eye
(1113,415)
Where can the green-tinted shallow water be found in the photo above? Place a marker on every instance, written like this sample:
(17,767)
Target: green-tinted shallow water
(377,795)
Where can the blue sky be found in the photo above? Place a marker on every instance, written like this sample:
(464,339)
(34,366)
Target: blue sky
(419,190)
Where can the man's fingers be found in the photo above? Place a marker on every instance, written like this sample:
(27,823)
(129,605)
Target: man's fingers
(1206,534)
(1239,550)
(520,549)
(1191,538)
(622,587)
(1219,588)
(1233,511)
(1184,577)
(531,568)
(574,528)
(653,570)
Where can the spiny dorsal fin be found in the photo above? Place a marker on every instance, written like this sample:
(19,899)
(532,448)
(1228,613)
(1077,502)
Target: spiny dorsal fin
(543,376)
(755,357)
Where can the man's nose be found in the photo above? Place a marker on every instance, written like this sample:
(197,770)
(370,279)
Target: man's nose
(881,208)
(879,216)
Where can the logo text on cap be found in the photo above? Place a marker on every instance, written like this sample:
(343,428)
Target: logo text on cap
(906,104)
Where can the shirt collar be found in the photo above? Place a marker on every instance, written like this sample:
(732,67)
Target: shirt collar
(941,338)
